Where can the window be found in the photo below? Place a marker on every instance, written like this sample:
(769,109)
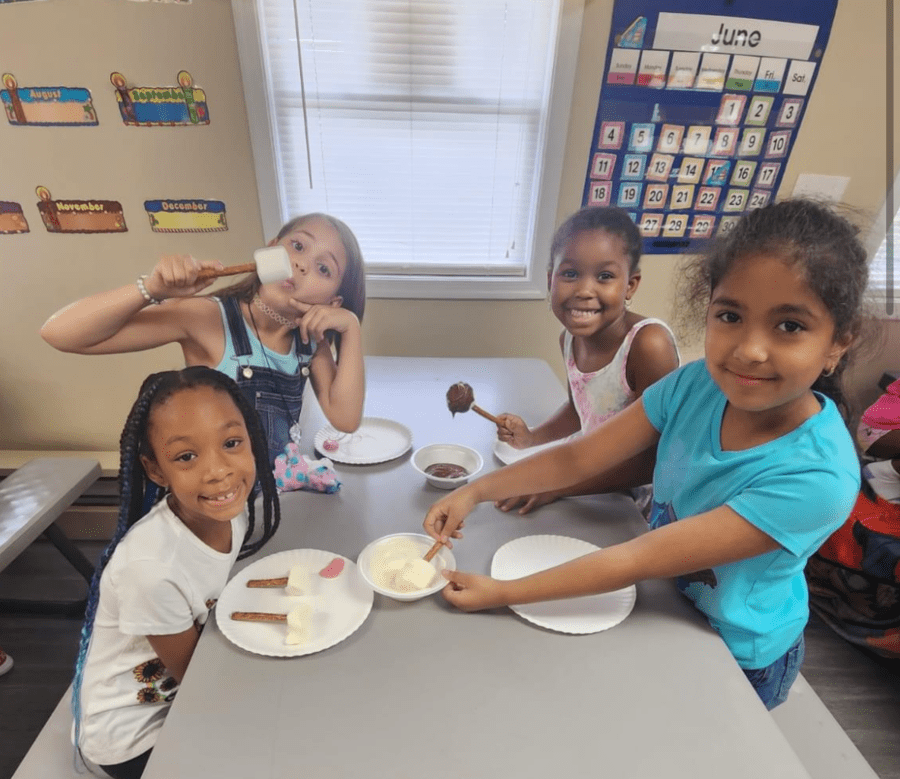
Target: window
(884,268)
(434,128)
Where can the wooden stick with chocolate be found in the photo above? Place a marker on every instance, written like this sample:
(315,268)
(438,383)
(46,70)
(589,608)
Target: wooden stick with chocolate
(461,398)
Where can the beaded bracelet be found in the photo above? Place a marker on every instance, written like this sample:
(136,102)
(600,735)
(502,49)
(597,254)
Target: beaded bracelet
(143,290)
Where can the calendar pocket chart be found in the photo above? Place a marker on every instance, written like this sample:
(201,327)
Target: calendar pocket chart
(700,106)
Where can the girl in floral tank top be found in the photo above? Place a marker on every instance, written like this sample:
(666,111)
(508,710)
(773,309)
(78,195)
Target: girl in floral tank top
(612,354)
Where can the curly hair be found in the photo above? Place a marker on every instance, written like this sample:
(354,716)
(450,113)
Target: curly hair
(803,233)
(611,220)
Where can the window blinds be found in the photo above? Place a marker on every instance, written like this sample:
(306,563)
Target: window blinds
(420,123)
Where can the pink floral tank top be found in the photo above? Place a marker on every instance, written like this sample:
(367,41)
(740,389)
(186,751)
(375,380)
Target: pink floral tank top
(600,394)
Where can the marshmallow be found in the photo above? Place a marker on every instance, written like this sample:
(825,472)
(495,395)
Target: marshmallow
(272,264)
(298,623)
(298,582)
(397,565)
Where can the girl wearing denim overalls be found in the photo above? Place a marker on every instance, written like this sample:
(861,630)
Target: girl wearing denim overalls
(268,337)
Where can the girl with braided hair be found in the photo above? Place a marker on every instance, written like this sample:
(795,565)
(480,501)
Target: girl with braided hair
(192,433)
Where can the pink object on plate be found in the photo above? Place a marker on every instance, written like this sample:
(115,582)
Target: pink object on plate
(330,445)
(333,569)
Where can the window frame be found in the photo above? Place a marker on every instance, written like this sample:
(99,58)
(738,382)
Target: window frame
(531,285)
(879,236)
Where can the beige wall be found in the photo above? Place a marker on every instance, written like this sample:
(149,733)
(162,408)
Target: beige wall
(51,400)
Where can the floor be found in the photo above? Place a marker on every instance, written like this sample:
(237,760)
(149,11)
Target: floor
(863,693)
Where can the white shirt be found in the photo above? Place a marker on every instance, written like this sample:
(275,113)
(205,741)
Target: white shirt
(161,580)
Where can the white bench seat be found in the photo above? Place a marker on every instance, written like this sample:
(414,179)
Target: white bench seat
(31,499)
(52,755)
(818,739)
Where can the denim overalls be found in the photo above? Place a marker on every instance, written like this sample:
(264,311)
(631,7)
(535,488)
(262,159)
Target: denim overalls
(272,383)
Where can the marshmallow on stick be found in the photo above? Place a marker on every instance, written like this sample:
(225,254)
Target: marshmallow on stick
(398,565)
(297,581)
(297,619)
(461,398)
(271,264)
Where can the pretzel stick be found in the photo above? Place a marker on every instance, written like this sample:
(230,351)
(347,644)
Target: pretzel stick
(234,270)
(257,616)
(279,582)
(485,414)
(433,551)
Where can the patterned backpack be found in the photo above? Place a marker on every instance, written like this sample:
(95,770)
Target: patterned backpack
(854,578)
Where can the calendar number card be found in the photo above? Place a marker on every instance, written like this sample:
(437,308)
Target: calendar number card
(699,109)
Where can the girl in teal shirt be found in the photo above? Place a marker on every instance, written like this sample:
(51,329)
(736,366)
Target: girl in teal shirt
(747,441)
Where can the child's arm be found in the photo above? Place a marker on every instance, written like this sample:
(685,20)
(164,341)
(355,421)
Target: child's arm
(652,356)
(615,442)
(176,650)
(633,472)
(693,544)
(340,386)
(885,448)
(516,433)
(564,422)
(122,320)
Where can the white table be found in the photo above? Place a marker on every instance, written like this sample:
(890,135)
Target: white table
(422,689)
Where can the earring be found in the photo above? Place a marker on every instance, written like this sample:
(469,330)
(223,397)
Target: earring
(627,302)
(829,372)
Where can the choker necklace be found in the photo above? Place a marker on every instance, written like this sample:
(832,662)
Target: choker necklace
(282,320)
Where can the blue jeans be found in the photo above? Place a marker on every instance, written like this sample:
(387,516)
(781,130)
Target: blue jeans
(773,682)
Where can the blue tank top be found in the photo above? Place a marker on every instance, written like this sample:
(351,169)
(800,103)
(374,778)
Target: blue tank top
(273,383)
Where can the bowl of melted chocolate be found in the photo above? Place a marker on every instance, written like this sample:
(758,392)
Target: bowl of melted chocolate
(446,466)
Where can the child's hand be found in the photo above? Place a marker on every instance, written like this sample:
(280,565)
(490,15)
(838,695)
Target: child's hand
(315,320)
(527,502)
(175,276)
(472,592)
(446,516)
(513,431)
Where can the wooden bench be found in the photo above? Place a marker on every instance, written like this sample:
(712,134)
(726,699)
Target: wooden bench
(817,738)
(31,499)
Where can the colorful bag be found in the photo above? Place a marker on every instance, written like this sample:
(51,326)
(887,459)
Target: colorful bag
(854,578)
(295,471)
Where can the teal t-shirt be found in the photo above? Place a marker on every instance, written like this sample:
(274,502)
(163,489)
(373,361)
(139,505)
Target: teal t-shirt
(798,489)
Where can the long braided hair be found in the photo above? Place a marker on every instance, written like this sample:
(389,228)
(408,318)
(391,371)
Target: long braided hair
(137,490)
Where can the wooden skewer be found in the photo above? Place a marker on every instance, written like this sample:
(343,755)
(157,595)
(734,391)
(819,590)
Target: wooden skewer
(485,414)
(257,616)
(433,551)
(233,270)
(281,581)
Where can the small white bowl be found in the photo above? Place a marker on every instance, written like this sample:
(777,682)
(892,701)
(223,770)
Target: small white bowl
(444,559)
(456,454)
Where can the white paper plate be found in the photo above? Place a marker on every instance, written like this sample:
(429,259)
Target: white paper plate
(587,614)
(508,455)
(340,605)
(376,441)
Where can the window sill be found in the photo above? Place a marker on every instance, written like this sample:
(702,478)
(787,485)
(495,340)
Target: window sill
(455,288)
